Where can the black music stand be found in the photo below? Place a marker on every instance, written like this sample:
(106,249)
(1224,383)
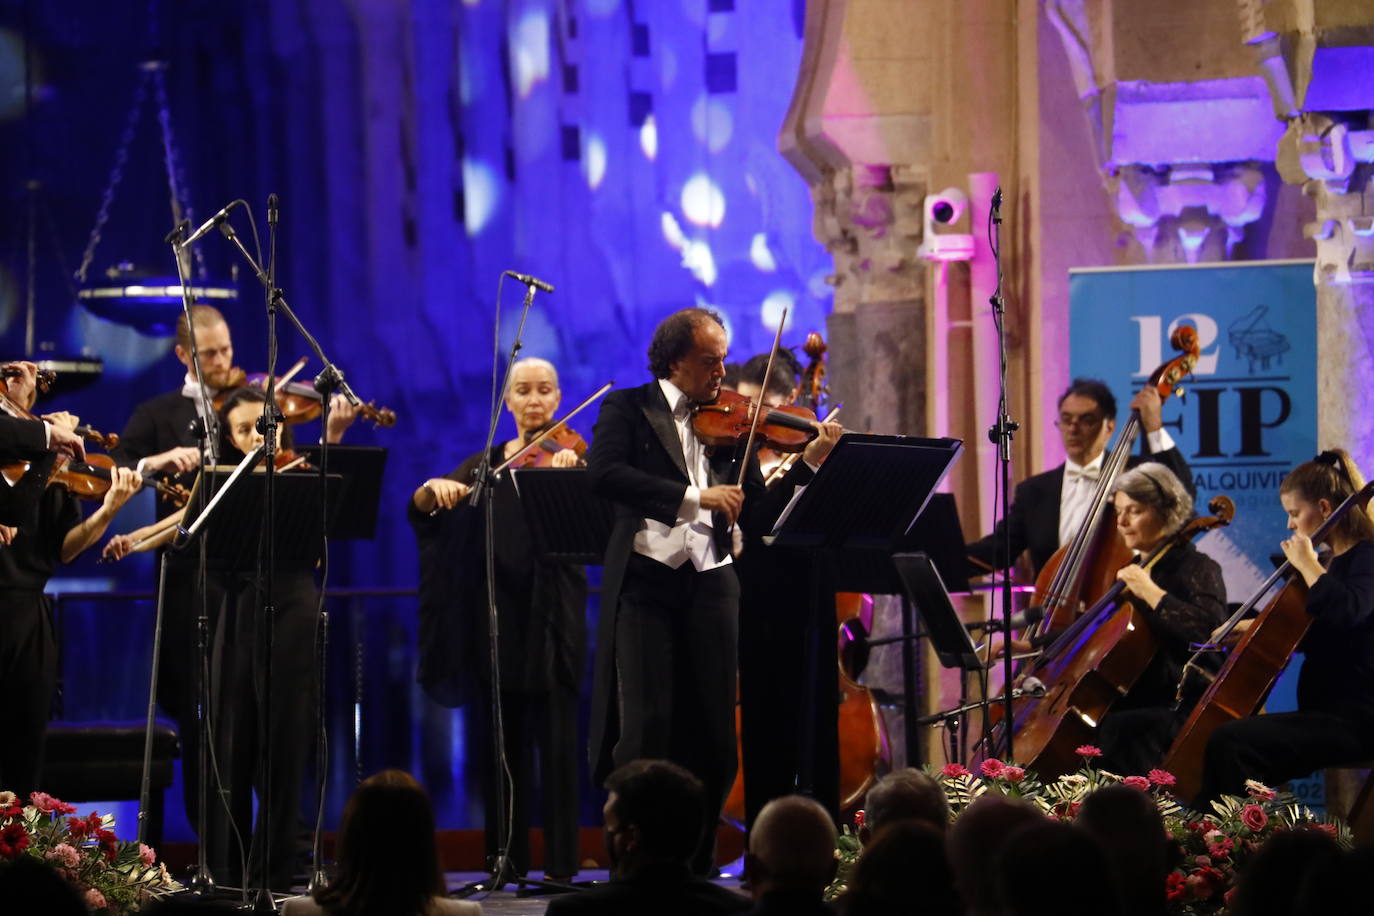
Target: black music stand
(354,513)
(861,508)
(568,523)
(922,584)
(233,539)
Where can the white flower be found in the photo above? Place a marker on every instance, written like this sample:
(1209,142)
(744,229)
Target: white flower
(7,799)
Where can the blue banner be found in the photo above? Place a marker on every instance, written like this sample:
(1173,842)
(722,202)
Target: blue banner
(1248,414)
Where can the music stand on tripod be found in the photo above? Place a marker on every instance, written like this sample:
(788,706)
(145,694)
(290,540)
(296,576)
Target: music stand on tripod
(863,503)
(232,525)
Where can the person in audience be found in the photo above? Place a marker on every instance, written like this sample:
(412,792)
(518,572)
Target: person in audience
(1273,881)
(1331,884)
(974,841)
(1127,824)
(654,817)
(388,860)
(903,870)
(906,794)
(1034,855)
(791,857)
(29,885)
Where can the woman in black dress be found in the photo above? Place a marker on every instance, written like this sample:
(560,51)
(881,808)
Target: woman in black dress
(542,631)
(1334,722)
(1182,597)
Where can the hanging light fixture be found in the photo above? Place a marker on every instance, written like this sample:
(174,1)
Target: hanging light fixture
(147,302)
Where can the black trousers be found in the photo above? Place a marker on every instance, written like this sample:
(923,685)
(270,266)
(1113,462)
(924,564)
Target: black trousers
(1278,747)
(789,697)
(675,656)
(252,737)
(28,675)
(541,731)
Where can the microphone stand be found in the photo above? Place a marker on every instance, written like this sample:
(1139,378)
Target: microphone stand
(330,378)
(502,872)
(206,431)
(1001,434)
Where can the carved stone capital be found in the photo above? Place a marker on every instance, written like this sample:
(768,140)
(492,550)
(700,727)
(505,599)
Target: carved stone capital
(869,218)
(1188,213)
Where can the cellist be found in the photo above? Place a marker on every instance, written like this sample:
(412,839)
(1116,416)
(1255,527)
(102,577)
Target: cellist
(1183,598)
(1049,508)
(1334,722)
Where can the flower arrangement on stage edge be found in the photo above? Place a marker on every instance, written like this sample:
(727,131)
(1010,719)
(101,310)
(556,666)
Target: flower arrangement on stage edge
(1214,847)
(111,876)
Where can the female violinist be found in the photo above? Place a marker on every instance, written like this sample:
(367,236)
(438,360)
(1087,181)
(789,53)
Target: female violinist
(29,554)
(1183,598)
(1334,721)
(542,631)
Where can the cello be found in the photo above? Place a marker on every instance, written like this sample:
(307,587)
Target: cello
(1242,685)
(1092,663)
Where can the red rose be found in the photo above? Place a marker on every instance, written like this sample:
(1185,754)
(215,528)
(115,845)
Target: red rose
(992,767)
(858,819)
(1013,774)
(954,771)
(14,839)
(1253,816)
(1162,777)
(1088,750)
(1137,782)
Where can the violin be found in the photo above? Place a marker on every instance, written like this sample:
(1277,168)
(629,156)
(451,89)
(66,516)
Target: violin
(297,401)
(727,420)
(91,479)
(560,438)
(42,382)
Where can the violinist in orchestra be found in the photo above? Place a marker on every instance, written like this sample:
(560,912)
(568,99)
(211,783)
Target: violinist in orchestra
(1181,596)
(1048,509)
(541,623)
(54,533)
(1334,722)
(666,649)
(37,441)
(788,698)
(160,437)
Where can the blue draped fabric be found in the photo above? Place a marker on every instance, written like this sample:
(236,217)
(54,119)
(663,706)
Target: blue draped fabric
(623,151)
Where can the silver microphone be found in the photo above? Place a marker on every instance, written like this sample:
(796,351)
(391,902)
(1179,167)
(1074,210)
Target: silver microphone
(530,281)
(209,225)
(1033,686)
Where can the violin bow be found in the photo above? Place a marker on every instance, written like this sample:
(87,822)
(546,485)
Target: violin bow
(552,428)
(759,409)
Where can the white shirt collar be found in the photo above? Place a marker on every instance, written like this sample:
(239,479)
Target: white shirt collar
(1094,465)
(678,402)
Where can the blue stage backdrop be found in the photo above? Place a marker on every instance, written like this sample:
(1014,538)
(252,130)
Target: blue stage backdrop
(624,152)
(1250,413)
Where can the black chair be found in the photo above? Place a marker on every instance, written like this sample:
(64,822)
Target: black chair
(103,761)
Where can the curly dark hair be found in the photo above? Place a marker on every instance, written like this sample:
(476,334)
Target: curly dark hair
(674,336)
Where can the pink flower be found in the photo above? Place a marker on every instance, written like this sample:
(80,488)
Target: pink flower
(1259,790)
(1162,777)
(1328,829)
(992,767)
(64,854)
(954,771)
(94,899)
(1088,750)
(1013,774)
(1137,782)
(148,855)
(1253,816)
(43,802)
(1206,882)
(1175,886)
(148,859)
(1221,848)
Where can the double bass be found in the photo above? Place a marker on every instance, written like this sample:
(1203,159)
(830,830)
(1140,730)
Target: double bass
(1250,670)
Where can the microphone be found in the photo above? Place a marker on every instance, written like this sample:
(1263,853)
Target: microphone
(209,224)
(997,199)
(1033,687)
(1033,614)
(530,281)
(272,209)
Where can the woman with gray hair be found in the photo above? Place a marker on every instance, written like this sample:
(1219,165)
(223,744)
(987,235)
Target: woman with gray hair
(1183,598)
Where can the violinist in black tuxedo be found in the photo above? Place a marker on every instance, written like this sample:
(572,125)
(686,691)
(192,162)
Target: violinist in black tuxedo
(665,667)
(1049,508)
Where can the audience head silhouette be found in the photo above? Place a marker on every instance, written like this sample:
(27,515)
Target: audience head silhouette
(1273,880)
(1033,881)
(906,794)
(903,870)
(655,814)
(974,842)
(387,858)
(791,848)
(1127,824)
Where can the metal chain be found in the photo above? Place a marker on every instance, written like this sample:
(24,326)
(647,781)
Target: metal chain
(116,176)
(176,176)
